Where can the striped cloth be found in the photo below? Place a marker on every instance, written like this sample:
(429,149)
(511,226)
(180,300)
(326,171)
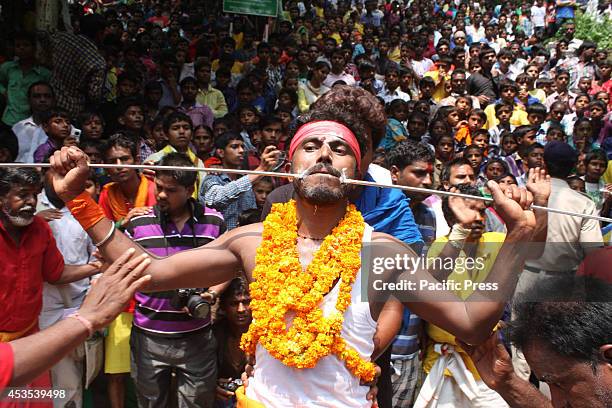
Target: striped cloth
(406,343)
(160,236)
(80,71)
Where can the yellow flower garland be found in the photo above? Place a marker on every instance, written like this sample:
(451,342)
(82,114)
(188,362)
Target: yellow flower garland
(281,285)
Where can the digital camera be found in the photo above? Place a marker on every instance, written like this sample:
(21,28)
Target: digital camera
(233,385)
(192,299)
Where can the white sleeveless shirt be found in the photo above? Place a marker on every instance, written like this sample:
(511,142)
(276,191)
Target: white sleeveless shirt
(329,383)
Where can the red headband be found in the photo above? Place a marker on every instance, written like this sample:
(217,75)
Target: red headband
(328,128)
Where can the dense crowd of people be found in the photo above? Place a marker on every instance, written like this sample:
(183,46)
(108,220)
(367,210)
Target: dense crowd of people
(444,95)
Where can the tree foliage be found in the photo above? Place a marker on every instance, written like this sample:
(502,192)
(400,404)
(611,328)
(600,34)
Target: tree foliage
(598,30)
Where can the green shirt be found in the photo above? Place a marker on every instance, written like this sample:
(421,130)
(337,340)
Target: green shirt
(14,84)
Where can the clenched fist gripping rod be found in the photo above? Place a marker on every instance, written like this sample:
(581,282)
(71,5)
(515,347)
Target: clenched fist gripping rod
(344,180)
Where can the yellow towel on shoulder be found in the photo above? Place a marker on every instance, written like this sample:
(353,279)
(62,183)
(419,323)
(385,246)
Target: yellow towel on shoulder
(245,402)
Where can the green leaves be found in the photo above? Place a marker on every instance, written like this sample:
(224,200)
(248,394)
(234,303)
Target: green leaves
(588,28)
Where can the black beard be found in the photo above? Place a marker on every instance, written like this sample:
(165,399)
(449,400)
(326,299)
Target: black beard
(321,193)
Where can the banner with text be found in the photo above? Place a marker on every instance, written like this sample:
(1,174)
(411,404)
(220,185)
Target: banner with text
(268,8)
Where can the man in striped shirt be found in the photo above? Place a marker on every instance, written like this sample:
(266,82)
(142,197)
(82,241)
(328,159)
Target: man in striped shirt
(411,164)
(166,339)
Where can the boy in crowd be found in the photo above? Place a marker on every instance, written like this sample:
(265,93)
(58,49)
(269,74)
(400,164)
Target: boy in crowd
(411,164)
(56,125)
(226,192)
(503,112)
(262,188)
(207,95)
(179,130)
(536,115)
(131,119)
(129,195)
(507,91)
(29,131)
(17,76)
(128,86)
(199,114)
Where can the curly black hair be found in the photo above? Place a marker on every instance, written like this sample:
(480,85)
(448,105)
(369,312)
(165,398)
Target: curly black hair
(360,103)
(407,152)
(336,114)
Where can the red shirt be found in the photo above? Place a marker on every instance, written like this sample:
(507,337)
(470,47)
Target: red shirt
(597,265)
(6,365)
(161,21)
(23,269)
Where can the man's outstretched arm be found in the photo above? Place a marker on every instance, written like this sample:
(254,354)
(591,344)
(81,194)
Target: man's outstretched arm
(214,263)
(206,266)
(483,309)
(471,320)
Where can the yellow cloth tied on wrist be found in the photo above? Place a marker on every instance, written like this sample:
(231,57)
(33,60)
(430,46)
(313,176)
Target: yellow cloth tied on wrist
(245,402)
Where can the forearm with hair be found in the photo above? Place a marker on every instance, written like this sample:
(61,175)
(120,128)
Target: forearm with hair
(388,325)
(482,311)
(39,352)
(472,320)
(73,273)
(540,234)
(448,251)
(519,393)
(181,270)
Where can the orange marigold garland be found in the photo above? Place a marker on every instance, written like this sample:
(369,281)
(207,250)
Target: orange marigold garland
(281,286)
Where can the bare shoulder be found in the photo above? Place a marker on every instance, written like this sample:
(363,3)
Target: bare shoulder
(251,228)
(389,241)
(239,236)
(243,243)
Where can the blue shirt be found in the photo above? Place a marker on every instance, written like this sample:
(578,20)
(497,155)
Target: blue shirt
(395,132)
(231,198)
(387,210)
(565,12)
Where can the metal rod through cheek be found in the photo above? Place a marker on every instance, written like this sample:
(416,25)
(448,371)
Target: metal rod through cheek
(292,175)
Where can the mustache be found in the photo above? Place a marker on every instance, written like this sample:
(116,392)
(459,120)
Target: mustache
(319,167)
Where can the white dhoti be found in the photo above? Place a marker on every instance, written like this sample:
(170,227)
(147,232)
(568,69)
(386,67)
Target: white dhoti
(461,390)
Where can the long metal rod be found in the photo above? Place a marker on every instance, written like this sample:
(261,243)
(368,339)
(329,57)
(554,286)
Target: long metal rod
(292,175)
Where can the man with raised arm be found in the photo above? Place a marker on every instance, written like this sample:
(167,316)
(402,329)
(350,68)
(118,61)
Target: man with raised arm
(304,264)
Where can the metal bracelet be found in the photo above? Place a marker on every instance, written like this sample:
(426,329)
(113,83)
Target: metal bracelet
(458,245)
(107,237)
